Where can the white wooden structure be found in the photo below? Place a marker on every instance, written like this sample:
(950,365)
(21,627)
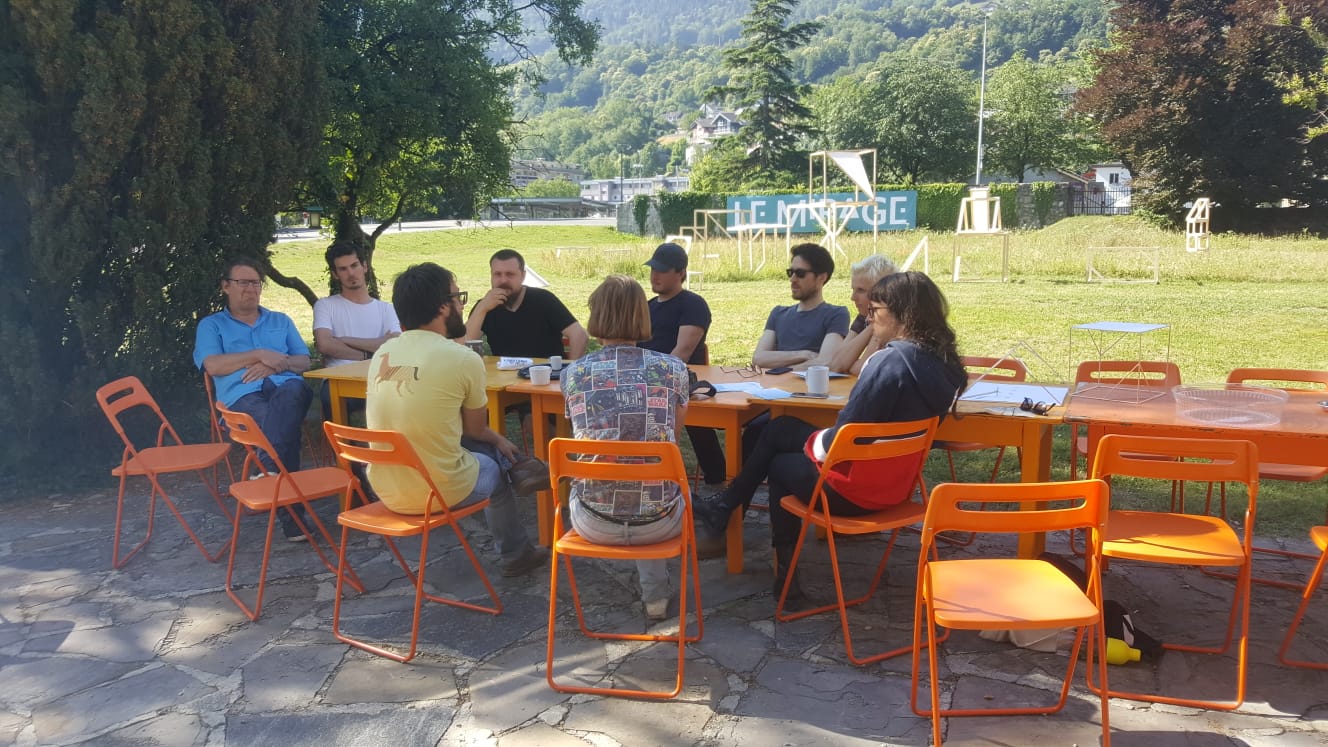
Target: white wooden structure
(1197,231)
(980,215)
(830,213)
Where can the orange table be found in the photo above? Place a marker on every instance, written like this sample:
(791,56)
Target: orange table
(1300,438)
(348,382)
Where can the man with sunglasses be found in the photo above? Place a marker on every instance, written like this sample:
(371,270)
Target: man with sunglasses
(431,390)
(808,332)
(256,358)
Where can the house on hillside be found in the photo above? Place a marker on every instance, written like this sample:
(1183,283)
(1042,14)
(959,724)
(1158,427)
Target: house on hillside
(713,124)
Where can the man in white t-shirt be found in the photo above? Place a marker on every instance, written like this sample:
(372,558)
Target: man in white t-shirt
(351,325)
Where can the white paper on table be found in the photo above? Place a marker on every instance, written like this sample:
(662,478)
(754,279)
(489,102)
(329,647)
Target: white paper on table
(1126,327)
(749,387)
(771,394)
(1001,391)
(833,375)
(508,363)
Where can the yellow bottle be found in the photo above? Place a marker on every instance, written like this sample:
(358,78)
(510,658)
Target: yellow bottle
(1120,652)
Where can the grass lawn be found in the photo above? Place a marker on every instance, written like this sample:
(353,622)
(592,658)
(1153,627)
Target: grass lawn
(1250,301)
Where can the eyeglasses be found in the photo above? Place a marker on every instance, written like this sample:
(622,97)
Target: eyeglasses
(871,311)
(746,372)
(246,283)
(460,297)
(1037,408)
(801,272)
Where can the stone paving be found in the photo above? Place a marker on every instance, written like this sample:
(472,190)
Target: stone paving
(156,654)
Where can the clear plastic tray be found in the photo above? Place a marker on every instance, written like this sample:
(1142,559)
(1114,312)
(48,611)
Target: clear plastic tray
(1230,405)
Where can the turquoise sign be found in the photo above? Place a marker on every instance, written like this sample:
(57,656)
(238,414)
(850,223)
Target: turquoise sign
(894,211)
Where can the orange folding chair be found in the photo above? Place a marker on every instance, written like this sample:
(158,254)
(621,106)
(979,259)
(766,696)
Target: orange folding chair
(391,449)
(1320,537)
(570,459)
(1317,380)
(987,369)
(272,493)
(215,425)
(153,461)
(1009,593)
(1186,539)
(859,442)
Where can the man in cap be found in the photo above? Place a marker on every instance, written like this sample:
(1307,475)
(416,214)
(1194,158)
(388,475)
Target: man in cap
(679,320)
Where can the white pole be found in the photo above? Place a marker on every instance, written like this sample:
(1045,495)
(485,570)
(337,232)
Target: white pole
(982,99)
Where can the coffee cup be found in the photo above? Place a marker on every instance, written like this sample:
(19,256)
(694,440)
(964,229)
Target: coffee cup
(540,375)
(556,362)
(818,380)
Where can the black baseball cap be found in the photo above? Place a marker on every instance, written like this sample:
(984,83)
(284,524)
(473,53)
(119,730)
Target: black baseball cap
(667,257)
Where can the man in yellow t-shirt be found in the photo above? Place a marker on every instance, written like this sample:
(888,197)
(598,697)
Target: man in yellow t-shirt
(431,390)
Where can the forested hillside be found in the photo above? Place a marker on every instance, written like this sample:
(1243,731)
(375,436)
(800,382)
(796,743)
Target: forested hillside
(657,60)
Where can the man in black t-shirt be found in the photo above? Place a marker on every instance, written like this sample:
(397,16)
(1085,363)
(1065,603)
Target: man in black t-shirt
(679,320)
(522,321)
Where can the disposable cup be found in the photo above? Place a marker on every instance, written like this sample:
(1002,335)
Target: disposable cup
(476,345)
(818,380)
(556,362)
(540,374)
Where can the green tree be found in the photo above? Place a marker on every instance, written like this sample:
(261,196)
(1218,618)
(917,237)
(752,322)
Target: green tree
(420,108)
(918,114)
(1028,123)
(761,87)
(1191,96)
(551,188)
(141,144)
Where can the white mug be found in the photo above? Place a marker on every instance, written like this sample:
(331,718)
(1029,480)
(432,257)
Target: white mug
(818,380)
(556,362)
(540,375)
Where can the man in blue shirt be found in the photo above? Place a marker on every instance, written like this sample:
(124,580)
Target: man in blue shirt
(256,357)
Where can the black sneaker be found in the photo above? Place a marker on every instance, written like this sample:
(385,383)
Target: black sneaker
(528,561)
(293,532)
(712,513)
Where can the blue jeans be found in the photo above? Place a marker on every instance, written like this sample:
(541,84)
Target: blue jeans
(493,483)
(279,410)
(653,574)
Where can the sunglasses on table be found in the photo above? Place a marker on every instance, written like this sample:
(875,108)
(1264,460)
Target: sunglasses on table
(1037,408)
(746,372)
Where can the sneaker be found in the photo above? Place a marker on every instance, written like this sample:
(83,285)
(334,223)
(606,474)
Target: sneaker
(712,513)
(529,475)
(292,532)
(657,609)
(528,561)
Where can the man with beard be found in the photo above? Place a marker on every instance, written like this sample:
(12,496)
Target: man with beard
(351,325)
(523,321)
(431,390)
(808,332)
